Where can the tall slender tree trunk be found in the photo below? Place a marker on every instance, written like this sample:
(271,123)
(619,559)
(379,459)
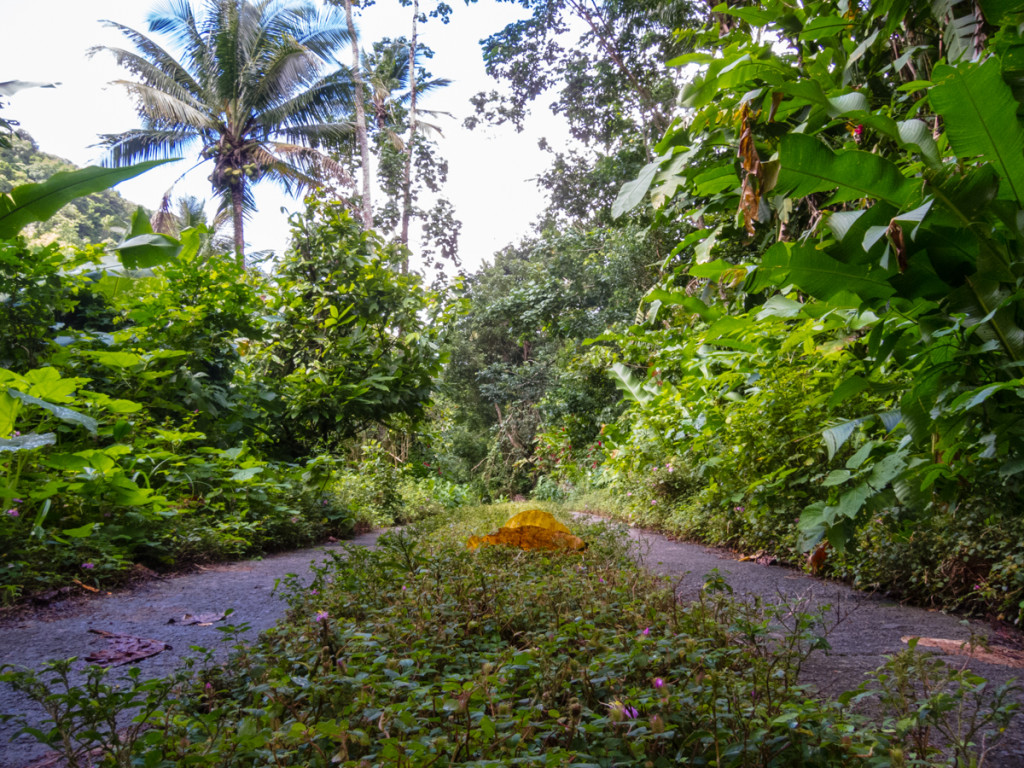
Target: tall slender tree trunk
(237,201)
(407,171)
(364,146)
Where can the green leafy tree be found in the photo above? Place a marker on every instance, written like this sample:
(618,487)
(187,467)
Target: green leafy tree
(250,84)
(603,66)
(863,162)
(518,362)
(354,344)
(390,87)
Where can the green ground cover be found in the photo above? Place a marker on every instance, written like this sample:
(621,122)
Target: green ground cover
(423,654)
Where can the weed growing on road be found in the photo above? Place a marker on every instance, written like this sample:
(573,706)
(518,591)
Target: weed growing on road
(935,714)
(87,720)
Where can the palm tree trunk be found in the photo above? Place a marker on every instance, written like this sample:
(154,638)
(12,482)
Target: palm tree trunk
(407,171)
(237,199)
(364,146)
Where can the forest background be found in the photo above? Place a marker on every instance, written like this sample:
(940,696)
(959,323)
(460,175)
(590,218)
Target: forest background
(773,303)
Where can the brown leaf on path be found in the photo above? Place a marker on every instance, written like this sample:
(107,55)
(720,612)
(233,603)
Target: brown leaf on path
(126,649)
(1006,657)
(817,558)
(85,586)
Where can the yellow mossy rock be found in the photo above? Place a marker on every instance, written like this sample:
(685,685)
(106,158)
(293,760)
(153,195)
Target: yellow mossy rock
(532,529)
(537,518)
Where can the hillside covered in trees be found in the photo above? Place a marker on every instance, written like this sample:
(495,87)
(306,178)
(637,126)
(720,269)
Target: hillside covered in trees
(96,218)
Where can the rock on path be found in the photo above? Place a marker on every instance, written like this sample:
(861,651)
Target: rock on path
(868,628)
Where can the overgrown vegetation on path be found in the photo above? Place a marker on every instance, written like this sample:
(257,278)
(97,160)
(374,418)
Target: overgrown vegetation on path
(422,653)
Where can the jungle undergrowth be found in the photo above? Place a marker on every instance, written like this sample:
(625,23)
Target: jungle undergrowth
(421,653)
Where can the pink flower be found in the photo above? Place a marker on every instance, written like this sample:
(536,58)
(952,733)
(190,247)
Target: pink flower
(88,566)
(646,631)
(209,688)
(321,616)
(12,513)
(659,683)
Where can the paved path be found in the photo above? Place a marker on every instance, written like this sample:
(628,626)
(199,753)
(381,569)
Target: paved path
(56,633)
(870,627)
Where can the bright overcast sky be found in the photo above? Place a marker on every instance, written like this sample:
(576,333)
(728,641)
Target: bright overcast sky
(491,170)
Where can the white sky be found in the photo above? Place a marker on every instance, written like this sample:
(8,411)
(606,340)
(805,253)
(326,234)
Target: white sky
(491,170)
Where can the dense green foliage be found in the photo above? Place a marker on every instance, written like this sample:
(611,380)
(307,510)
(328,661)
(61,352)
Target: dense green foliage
(838,339)
(421,653)
(151,392)
(826,360)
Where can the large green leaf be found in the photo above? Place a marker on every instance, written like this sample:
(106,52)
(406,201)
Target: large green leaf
(28,442)
(143,248)
(808,166)
(988,308)
(66,415)
(818,274)
(995,10)
(36,202)
(632,387)
(980,116)
(633,192)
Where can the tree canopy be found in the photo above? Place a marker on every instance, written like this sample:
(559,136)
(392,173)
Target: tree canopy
(251,84)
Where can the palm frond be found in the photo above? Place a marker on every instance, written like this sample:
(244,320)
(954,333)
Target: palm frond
(319,135)
(152,76)
(273,81)
(177,20)
(323,31)
(310,163)
(153,55)
(320,102)
(165,110)
(144,144)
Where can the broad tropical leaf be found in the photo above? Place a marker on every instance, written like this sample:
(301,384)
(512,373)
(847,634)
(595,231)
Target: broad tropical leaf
(34,202)
(808,166)
(980,116)
(630,385)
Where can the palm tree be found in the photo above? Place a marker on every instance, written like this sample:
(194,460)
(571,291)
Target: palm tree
(393,89)
(252,85)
